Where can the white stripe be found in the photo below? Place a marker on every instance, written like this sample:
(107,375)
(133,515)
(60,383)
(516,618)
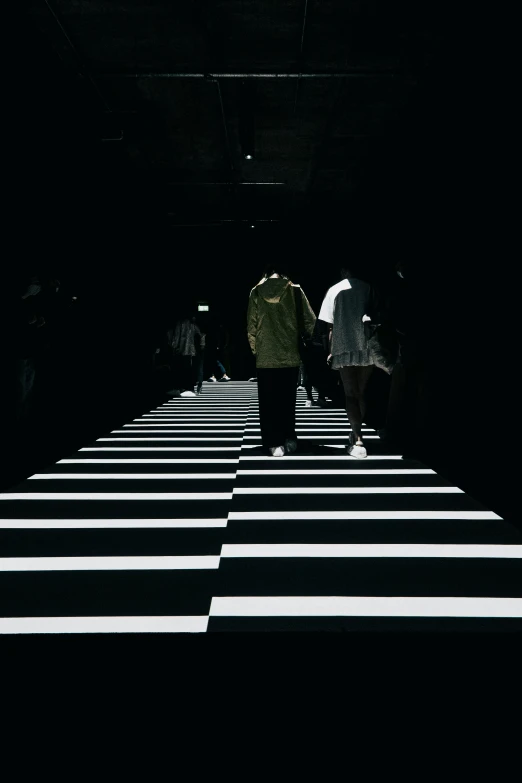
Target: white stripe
(98,440)
(358,606)
(344,458)
(172,428)
(156,416)
(346,490)
(116,496)
(224,418)
(371,550)
(248,430)
(147,461)
(306,437)
(133,476)
(94,524)
(326,445)
(348,472)
(160,448)
(131,563)
(299,515)
(152,624)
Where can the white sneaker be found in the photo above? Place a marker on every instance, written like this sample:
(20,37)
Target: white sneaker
(213,379)
(358,451)
(188,394)
(300,388)
(278,451)
(308,404)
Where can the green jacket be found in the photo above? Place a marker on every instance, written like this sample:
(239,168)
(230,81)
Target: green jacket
(272,322)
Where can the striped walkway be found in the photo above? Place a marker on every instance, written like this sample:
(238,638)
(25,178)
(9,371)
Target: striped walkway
(177,522)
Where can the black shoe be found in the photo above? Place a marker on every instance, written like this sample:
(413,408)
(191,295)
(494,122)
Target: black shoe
(291,445)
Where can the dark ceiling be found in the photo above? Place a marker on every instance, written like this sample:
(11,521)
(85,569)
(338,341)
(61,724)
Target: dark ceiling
(178,92)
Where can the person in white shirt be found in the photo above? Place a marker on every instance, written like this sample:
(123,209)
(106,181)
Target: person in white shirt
(346,306)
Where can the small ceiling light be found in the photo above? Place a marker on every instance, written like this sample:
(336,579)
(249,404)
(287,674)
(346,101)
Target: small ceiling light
(249,157)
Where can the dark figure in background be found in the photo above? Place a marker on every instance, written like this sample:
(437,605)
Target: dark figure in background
(57,365)
(218,345)
(25,345)
(304,382)
(406,313)
(318,374)
(346,306)
(183,339)
(272,328)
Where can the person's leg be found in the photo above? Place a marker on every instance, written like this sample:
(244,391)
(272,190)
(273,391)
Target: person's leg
(350,380)
(177,371)
(220,367)
(307,383)
(188,379)
(364,374)
(267,394)
(286,407)
(200,362)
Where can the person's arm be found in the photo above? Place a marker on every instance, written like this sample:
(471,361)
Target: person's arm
(326,314)
(373,307)
(252,321)
(309,317)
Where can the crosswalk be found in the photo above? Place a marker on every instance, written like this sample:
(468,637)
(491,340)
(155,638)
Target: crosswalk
(177,522)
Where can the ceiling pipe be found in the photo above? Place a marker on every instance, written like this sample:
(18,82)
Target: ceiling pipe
(238,184)
(300,58)
(355,73)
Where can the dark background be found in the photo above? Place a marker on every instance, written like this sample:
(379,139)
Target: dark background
(409,156)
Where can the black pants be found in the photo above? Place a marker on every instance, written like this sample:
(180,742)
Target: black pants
(355,380)
(199,366)
(304,380)
(183,371)
(318,371)
(277,391)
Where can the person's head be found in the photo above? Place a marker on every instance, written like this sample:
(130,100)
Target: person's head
(354,269)
(275,268)
(350,269)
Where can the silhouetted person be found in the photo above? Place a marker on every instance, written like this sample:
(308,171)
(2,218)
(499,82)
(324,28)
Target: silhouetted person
(273,334)
(217,346)
(317,370)
(346,306)
(407,314)
(183,344)
(26,344)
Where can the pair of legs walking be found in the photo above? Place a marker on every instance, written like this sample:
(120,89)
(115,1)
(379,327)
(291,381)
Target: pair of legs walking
(277,394)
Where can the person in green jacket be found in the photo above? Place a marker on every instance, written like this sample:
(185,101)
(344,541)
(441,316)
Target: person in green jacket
(274,340)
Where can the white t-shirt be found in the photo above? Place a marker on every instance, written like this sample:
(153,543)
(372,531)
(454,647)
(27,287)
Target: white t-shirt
(327,308)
